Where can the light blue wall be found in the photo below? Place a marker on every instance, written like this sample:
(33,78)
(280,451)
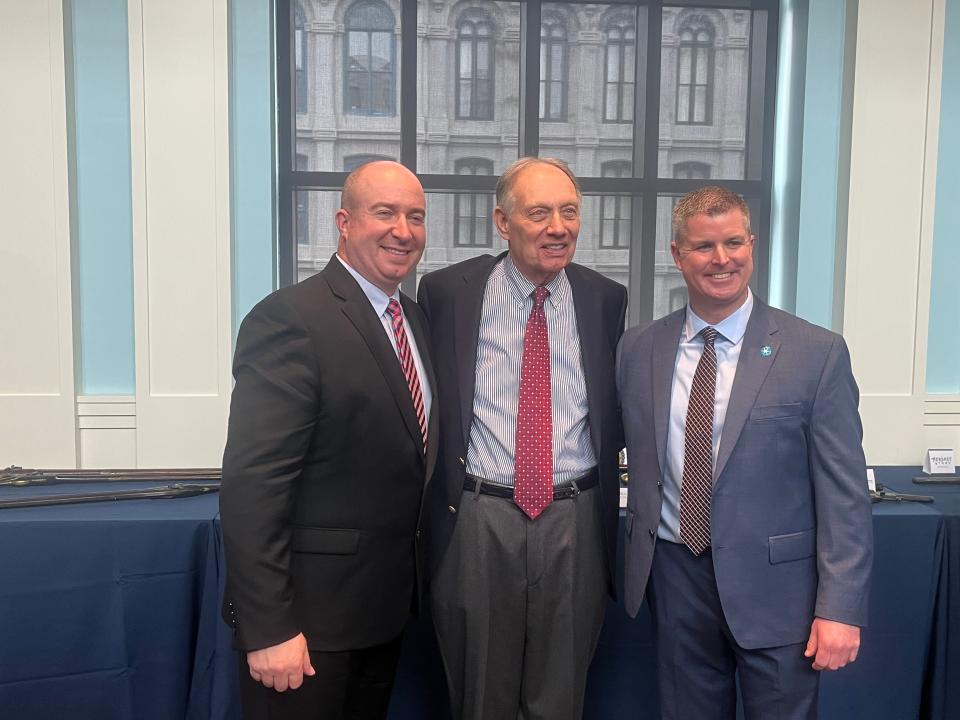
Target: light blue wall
(943,347)
(823,175)
(101,204)
(251,152)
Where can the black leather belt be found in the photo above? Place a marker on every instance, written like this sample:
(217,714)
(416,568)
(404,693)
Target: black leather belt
(560,492)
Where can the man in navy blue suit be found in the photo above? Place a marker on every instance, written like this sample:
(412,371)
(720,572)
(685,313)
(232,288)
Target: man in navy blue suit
(748,524)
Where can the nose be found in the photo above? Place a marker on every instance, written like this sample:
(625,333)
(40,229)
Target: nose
(556,226)
(401,228)
(720,255)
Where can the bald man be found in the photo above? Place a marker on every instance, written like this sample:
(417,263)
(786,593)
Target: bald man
(331,442)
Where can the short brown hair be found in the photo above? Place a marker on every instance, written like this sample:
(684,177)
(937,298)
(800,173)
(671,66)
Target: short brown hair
(509,177)
(710,200)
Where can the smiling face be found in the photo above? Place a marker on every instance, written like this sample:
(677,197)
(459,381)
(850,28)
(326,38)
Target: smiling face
(382,233)
(541,222)
(715,256)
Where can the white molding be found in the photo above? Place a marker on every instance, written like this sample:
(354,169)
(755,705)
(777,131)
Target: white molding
(37,424)
(181,223)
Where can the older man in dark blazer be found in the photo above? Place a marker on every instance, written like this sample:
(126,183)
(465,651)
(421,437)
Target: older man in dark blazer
(331,442)
(523,512)
(748,509)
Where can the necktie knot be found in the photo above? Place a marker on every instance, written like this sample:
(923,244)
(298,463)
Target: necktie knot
(540,294)
(709,335)
(393,307)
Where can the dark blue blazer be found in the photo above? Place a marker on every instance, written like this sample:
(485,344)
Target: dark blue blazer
(791,527)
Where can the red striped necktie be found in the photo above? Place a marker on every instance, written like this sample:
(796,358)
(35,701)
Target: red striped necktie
(409,368)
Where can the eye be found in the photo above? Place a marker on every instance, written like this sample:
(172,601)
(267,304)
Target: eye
(415,219)
(538,214)
(570,213)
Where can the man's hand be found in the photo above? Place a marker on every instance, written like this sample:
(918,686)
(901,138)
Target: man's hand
(832,644)
(281,666)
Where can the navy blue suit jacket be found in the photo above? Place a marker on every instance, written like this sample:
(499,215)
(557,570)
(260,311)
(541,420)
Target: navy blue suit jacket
(791,528)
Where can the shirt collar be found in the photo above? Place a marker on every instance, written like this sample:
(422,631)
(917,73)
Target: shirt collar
(377,297)
(521,288)
(732,328)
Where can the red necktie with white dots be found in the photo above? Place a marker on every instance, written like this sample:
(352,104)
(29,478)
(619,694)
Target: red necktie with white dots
(533,460)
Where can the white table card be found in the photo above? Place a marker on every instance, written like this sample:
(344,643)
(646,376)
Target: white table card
(939,461)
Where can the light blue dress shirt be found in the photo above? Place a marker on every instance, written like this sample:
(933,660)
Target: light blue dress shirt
(379,300)
(728,343)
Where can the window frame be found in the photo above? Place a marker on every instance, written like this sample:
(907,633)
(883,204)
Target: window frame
(696,47)
(555,19)
(475,17)
(644,185)
(620,116)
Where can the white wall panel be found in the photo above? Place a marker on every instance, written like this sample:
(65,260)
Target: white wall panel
(896,111)
(180,144)
(37,426)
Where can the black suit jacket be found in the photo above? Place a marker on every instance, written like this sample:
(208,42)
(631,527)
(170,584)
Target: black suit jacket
(452,299)
(324,471)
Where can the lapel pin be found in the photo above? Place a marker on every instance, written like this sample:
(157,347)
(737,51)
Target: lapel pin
(766,351)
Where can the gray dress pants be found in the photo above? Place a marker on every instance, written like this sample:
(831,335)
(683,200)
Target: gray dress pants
(518,605)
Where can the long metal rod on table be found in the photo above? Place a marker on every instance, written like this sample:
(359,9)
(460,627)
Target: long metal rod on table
(15,476)
(175,490)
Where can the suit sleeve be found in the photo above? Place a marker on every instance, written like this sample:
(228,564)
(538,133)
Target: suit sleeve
(272,415)
(837,467)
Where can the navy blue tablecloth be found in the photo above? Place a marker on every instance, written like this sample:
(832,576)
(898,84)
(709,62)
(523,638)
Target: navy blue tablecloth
(112,611)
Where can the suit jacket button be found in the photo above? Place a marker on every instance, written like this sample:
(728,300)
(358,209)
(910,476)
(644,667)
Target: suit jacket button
(418,534)
(462,462)
(652,532)
(451,508)
(659,483)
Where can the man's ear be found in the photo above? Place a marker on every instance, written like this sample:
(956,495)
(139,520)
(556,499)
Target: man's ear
(342,218)
(500,220)
(675,251)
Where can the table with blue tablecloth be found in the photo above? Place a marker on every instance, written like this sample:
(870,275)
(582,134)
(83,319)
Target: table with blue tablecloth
(111,610)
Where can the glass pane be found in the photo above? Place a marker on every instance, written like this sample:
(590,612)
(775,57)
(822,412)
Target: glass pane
(707,122)
(315,230)
(605,258)
(446,228)
(352,78)
(591,93)
(468,103)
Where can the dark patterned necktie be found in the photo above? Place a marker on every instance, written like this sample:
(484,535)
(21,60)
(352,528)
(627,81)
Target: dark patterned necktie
(698,450)
(533,461)
(409,368)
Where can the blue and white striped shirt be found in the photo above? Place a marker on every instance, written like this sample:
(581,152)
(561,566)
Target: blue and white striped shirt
(507,303)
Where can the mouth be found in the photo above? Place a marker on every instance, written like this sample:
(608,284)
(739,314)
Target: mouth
(396,252)
(721,276)
(555,247)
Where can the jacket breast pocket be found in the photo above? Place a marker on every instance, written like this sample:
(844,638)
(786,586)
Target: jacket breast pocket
(792,546)
(325,541)
(776,412)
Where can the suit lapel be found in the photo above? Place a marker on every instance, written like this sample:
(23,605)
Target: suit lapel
(423,345)
(468,309)
(586,306)
(665,342)
(359,312)
(752,369)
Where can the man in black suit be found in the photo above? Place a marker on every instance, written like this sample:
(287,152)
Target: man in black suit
(523,514)
(331,441)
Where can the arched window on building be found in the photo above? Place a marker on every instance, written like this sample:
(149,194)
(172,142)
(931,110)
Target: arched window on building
(473,212)
(369,59)
(691,171)
(615,210)
(553,68)
(475,67)
(300,52)
(695,71)
(302,215)
(620,31)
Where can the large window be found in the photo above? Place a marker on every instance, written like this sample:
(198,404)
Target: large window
(553,68)
(458,89)
(475,66)
(695,71)
(621,39)
(369,78)
(473,214)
